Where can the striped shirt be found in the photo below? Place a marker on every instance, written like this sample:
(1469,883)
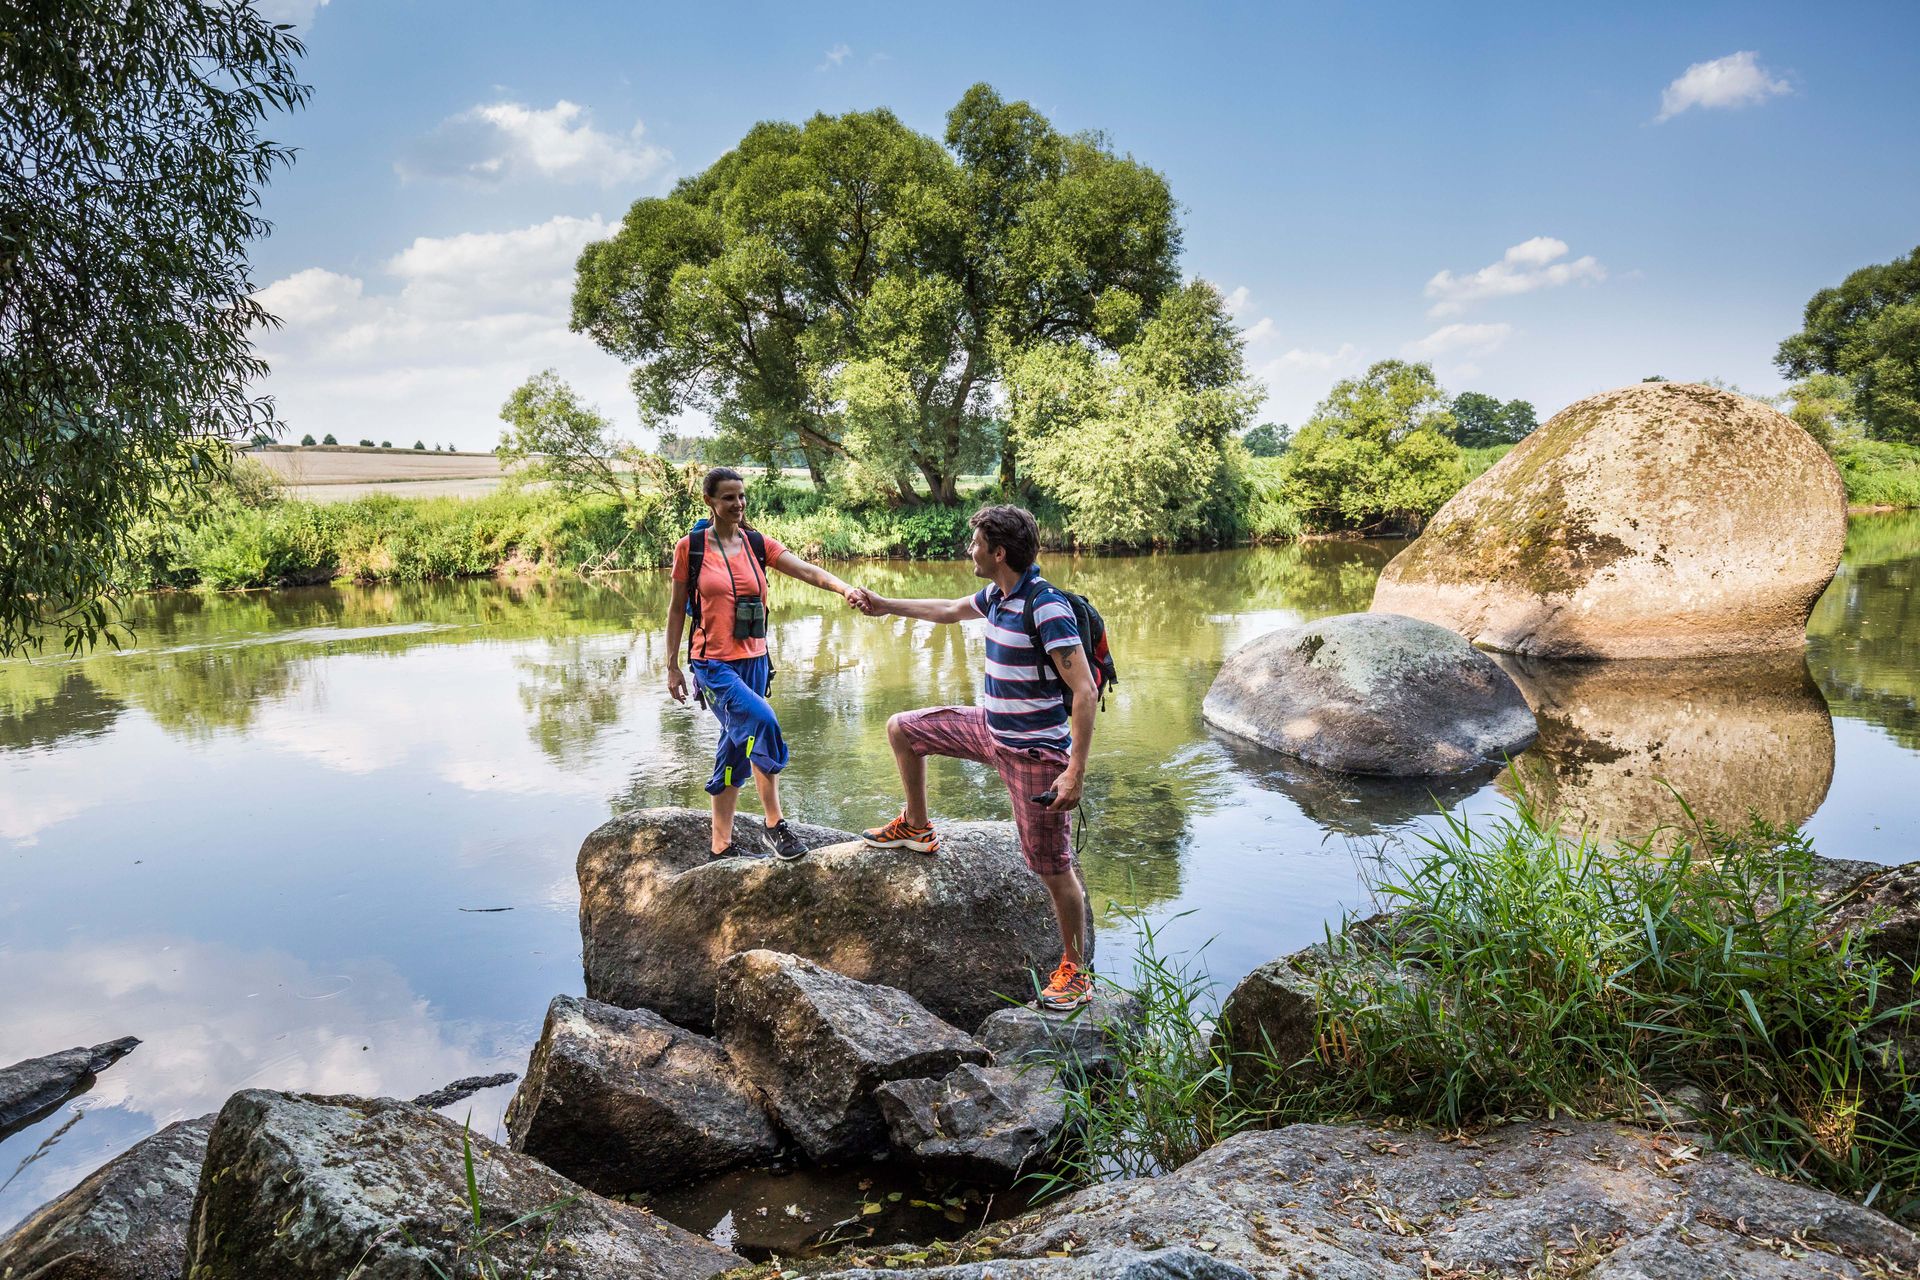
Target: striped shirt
(1023,703)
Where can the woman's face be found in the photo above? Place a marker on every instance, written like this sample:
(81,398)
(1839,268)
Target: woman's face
(729,501)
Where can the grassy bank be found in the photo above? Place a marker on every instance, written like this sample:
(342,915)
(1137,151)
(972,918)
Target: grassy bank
(1526,974)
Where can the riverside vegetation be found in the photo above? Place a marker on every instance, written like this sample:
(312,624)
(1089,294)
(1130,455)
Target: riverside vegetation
(1526,973)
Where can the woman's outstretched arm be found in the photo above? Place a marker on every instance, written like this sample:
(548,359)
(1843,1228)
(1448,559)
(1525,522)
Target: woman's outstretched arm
(794,567)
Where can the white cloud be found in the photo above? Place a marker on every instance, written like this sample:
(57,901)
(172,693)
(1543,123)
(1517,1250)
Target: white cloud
(505,141)
(1320,361)
(1737,80)
(835,56)
(431,346)
(1460,339)
(1236,302)
(298,12)
(1527,266)
(1259,331)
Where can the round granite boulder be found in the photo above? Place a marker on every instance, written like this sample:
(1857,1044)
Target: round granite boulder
(1371,693)
(1662,520)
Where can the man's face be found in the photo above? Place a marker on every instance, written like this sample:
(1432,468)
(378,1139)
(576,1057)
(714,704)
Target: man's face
(985,558)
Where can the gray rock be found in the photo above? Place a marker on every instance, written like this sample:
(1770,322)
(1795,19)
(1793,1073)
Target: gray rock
(1349,1202)
(1371,693)
(1081,1042)
(985,1125)
(1118,1264)
(310,1188)
(28,1088)
(955,930)
(817,1043)
(1274,1011)
(622,1100)
(126,1221)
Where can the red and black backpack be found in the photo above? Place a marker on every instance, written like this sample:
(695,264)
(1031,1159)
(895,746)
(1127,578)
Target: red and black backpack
(1093,640)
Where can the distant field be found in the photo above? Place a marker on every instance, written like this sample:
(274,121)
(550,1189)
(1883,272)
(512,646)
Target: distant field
(344,464)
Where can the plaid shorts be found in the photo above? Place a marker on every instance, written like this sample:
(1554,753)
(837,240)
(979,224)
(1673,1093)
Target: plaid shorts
(962,733)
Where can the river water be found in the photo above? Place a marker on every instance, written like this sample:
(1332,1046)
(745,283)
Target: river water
(273,836)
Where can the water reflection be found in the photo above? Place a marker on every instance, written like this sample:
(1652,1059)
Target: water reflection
(1864,636)
(1351,804)
(1728,734)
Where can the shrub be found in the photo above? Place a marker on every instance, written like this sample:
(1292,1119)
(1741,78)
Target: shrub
(932,533)
(1880,473)
(328,439)
(307,439)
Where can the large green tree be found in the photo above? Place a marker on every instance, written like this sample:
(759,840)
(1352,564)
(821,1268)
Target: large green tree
(1376,455)
(1480,420)
(130,173)
(855,289)
(1139,446)
(1867,331)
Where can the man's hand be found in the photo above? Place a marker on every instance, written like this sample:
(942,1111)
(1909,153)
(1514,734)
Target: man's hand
(865,601)
(1066,791)
(677,683)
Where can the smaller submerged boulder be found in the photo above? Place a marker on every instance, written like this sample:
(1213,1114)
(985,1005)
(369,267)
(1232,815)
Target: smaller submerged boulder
(622,1100)
(817,1044)
(30,1087)
(984,1125)
(127,1220)
(1371,693)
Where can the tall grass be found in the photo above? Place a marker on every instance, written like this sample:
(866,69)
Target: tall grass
(1879,473)
(1527,974)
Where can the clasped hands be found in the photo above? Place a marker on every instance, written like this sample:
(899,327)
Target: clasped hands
(865,601)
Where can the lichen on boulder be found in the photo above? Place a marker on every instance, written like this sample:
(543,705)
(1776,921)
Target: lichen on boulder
(1661,520)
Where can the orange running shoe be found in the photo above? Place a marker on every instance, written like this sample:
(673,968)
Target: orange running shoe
(898,834)
(1068,988)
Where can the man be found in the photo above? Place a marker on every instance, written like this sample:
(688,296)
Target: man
(1023,729)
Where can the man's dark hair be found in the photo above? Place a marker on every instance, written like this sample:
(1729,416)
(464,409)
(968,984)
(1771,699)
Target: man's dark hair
(1012,530)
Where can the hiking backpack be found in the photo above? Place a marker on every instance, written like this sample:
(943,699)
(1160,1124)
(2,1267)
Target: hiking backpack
(1093,641)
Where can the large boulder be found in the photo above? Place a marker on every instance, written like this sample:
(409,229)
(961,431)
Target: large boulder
(959,931)
(622,1100)
(1349,1202)
(817,1043)
(29,1088)
(1661,520)
(1618,741)
(984,1125)
(1371,693)
(1083,1042)
(310,1188)
(126,1221)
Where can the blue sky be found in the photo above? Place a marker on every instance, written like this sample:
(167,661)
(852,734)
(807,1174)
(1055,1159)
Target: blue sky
(1543,201)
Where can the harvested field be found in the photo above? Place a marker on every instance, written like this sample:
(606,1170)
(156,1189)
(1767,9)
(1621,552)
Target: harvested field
(344,464)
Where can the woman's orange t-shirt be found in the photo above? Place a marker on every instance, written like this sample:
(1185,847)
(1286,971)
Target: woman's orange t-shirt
(722,577)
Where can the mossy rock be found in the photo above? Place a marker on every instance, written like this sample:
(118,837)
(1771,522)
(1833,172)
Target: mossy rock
(1661,520)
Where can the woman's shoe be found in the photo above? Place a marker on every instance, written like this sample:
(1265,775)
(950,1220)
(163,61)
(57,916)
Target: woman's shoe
(787,844)
(899,834)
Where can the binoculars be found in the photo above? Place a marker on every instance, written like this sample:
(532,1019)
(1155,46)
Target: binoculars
(749,618)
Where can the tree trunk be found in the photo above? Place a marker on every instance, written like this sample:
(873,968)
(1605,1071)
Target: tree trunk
(815,470)
(909,496)
(1008,478)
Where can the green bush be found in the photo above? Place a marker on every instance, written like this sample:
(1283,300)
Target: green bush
(1880,473)
(933,533)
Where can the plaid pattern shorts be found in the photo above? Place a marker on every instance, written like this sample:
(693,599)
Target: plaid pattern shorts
(962,734)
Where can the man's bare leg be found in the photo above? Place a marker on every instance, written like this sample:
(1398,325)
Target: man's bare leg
(913,773)
(1069,910)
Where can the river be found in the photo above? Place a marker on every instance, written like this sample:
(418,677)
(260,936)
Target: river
(274,836)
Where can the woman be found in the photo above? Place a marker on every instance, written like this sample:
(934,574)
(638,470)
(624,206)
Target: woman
(728,653)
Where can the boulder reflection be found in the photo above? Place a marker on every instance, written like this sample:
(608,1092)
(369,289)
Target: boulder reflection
(1352,804)
(1730,735)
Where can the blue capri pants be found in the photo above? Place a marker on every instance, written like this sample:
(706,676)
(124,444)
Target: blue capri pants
(736,693)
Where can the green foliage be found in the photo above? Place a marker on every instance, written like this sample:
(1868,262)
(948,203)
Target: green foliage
(418,444)
(1528,973)
(386,444)
(1376,455)
(307,441)
(1268,440)
(366,444)
(1481,420)
(328,439)
(851,288)
(552,437)
(1867,331)
(1139,448)
(1879,474)
(1268,515)
(129,192)
(1477,462)
(1822,403)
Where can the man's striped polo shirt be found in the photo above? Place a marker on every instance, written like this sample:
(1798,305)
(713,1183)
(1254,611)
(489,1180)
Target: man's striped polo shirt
(1023,703)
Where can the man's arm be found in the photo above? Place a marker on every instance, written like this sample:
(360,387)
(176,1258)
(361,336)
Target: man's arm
(1071,662)
(961,610)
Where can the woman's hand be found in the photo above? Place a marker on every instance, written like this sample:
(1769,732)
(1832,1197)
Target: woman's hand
(677,683)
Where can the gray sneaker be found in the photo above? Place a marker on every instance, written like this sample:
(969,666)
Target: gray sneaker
(787,845)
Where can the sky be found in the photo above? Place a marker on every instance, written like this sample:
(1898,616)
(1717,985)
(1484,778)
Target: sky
(1542,201)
